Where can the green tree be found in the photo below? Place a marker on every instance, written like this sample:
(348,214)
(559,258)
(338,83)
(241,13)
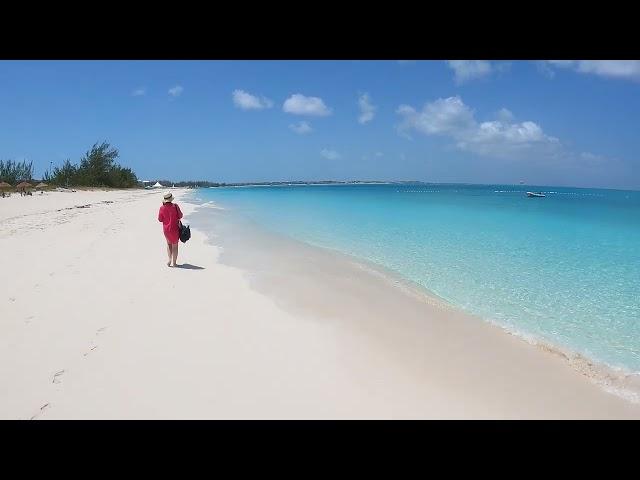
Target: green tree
(98,168)
(15,172)
(65,175)
(97,164)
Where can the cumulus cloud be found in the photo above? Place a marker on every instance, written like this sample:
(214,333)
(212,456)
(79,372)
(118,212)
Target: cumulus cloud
(503,137)
(592,160)
(176,91)
(367,109)
(505,115)
(299,104)
(329,154)
(246,101)
(301,128)
(138,92)
(624,69)
(465,70)
(545,68)
(443,116)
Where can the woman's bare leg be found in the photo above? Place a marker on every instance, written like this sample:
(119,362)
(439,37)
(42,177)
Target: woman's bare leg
(174,249)
(169,254)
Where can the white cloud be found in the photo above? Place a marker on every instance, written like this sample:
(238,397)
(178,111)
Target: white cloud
(544,68)
(443,116)
(246,101)
(176,91)
(591,159)
(498,138)
(139,92)
(298,104)
(367,109)
(379,154)
(301,128)
(625,69)
(466,70)
(505,115)
(504,138)
(330,154)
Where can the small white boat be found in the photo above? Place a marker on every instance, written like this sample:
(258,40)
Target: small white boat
(535,194)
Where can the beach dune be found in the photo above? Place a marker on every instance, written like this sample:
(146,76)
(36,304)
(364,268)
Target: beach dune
(94,325)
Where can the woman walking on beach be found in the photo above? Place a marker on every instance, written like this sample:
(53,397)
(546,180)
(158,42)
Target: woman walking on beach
(170,215)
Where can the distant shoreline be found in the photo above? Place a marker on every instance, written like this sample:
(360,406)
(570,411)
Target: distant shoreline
(207,184)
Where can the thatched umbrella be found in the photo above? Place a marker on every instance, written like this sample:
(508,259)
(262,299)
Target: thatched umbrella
(4,186)
(41,186)
(23,186)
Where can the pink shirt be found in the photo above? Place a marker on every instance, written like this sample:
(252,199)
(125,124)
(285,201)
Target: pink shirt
(169,215)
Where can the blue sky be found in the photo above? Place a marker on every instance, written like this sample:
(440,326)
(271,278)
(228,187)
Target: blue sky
(553,123)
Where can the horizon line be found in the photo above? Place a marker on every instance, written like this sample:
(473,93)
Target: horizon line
(248,183)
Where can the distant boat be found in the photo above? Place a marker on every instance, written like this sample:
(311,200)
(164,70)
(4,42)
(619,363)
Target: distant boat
(521,182)
(535,194)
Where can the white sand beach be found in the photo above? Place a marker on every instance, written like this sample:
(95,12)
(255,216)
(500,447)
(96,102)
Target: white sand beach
(94,325)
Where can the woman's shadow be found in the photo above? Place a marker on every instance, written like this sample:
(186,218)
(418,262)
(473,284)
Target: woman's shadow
(188,266)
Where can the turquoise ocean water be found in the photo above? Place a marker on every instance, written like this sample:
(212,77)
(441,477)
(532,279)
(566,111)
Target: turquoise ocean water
(564,269)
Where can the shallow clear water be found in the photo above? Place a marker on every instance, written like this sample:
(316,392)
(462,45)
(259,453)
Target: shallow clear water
(564,269)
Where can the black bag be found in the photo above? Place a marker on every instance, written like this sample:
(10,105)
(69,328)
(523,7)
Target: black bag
(185,232)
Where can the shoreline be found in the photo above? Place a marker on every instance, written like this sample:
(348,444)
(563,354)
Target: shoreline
(613,380)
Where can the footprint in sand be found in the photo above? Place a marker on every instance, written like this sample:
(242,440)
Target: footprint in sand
(11,299)
(90,350)
(100,330)
(42,409)
(56,376)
